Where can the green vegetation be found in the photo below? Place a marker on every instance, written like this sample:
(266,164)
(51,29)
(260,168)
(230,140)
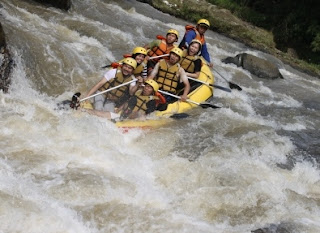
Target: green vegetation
(294,24)
(287,29)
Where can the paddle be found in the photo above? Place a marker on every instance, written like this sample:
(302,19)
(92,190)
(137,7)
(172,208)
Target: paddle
(75,98)
(150,58)
(209,84)
(203,105)
(231,84)
(110,89)
(179,116)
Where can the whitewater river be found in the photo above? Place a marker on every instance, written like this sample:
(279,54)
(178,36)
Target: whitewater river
(252,164)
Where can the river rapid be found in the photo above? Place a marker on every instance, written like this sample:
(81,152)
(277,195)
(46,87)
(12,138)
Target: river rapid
(250,164)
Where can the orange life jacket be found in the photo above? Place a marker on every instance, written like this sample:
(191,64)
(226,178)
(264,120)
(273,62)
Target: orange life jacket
(198,36)
(162,49)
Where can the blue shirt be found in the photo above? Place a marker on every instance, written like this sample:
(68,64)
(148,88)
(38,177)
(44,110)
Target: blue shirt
(190,35)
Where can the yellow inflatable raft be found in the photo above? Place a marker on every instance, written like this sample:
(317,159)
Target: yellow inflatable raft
(199,93)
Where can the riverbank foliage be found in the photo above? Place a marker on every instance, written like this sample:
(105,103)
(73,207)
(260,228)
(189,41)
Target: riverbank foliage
(286,29)
(294,24)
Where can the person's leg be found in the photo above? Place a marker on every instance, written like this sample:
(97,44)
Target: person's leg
(109,106)
(99,102)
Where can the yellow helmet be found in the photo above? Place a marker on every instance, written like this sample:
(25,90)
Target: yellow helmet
(139,50)
(173,31)
(196,41)
(153,83)
(130,61)
(177,51)
(204,22)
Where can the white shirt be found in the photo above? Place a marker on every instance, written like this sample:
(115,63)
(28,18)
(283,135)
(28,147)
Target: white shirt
(110,74)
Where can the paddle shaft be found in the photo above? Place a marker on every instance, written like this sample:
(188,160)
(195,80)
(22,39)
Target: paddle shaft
(164,55)
(110,89)
(178,97)
(150,58)
(211,85)
(231,84)
(204,105)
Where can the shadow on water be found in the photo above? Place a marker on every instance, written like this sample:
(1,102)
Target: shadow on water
(300,124)
(195,137)
(273,228)
(308,147)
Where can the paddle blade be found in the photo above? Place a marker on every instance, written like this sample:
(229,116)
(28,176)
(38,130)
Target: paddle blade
(106,66)
(75,100)
(221,88)
(234,86)
(208,105)
(179,116)
(64,105)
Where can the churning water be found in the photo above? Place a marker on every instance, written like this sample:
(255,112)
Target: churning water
(250,164)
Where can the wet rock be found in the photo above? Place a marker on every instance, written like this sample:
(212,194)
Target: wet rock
(6,63)
(258,66)
(61,4)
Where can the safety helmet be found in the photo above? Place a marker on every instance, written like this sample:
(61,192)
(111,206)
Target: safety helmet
(173,31)
(130,61)
(204,22)
(177,51)
(153,83)
(139,50)
(196,41)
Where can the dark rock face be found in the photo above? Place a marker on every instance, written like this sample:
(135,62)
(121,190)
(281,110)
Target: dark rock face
(255,65)
(6,63)
(61,4)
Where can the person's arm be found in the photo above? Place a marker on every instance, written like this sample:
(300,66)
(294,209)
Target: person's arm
(152,44)
(110,74)
(133,86)
(144,73)
(193,75)
(97,86)
(189,37)
(205,54)
(154,72)
(184,79)
(127,107)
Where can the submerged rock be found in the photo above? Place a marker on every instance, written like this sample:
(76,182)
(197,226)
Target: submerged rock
(255,65)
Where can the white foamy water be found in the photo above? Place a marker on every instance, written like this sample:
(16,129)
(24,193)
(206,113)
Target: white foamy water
(249,165)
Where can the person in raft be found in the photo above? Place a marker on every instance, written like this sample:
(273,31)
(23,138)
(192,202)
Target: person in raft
(112,78)
(168,74)
(143,102)
(140,55)
(190,60)
(161,46)
(197,32)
